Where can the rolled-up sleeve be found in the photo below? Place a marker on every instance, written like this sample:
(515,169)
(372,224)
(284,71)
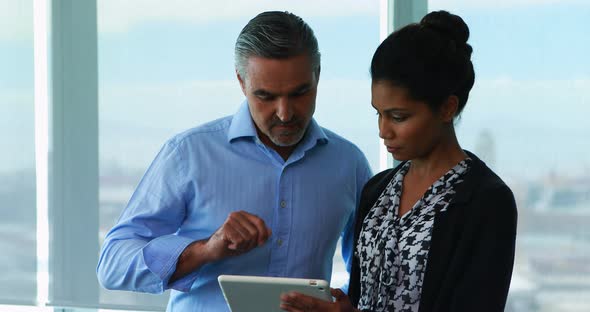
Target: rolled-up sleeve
(141,251)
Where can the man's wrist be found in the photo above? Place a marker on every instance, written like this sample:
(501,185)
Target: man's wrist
(192,258)
(198,252)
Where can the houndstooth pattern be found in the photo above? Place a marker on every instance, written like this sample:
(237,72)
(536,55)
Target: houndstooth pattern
(393,251)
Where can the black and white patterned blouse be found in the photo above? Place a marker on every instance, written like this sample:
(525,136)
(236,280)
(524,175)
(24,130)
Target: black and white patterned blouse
(393,251)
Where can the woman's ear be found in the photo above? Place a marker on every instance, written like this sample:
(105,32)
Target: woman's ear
(449,108)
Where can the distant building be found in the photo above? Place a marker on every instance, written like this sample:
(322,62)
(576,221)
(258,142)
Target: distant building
(485,148)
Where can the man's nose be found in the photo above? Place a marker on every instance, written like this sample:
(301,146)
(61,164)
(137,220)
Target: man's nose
(284,109)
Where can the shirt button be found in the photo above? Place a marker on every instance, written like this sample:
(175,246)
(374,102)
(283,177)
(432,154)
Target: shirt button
(283,204)
(279,242)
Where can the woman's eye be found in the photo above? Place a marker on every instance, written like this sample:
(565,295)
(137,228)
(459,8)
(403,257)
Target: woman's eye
(398,118)
(393,117)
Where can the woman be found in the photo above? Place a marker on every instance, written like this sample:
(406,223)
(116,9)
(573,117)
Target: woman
(436,233)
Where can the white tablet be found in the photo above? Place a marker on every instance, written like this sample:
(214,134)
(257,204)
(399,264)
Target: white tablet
(261,293)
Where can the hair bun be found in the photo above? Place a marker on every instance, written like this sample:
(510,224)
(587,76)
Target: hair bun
(448,25)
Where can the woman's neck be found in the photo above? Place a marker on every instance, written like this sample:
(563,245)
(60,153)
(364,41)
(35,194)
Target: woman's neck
(439,160)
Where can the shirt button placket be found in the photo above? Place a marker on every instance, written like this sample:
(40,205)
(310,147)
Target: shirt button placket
(282,204)
(280,244)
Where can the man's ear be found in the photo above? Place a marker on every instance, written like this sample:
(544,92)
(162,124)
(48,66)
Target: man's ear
(449,108)
(242,82)
(317,74)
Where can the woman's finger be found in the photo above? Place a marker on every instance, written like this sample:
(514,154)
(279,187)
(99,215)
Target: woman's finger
(338,294)
(294,301)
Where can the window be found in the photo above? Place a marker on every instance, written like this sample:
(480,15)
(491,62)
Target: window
(526,117)
(18,263)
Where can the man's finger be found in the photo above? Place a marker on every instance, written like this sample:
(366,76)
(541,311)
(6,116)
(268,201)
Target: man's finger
(241,222)
(233,239)
(257,225)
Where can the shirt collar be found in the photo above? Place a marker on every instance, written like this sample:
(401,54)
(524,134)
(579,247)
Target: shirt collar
(242,125)
(315,134)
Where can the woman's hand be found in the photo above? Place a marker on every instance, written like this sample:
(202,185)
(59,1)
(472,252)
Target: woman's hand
(296,302)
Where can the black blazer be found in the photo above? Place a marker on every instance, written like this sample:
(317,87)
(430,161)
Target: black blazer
(472,248)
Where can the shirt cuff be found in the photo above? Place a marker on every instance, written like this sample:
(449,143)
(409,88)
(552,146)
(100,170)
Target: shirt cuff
(161,256)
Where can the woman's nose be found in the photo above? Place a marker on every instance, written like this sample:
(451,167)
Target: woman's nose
(385,132)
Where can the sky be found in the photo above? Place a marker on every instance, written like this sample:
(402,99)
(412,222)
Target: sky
(168,66)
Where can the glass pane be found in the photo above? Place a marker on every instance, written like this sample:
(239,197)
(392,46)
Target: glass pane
(17,159)
(526,117)
(169,67)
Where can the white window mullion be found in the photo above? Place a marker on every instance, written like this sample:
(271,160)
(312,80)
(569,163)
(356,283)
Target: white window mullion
(67,143)
(385,28)
(41,78)
(406,12)
(394,15)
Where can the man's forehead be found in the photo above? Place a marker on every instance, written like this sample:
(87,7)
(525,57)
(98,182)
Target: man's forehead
(254,61)
(270,73)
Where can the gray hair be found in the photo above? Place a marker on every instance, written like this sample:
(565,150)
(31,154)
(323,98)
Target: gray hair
(276,35)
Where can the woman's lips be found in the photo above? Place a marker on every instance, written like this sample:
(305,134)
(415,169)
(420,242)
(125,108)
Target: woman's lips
(392,149)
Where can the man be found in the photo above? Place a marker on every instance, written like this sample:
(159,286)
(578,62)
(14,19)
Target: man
(263,192)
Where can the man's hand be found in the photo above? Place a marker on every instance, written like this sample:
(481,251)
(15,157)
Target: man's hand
(240,233)
(296,302)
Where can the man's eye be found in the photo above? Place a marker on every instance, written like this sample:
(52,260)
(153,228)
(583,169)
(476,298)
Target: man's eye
(299,93)
(265,97)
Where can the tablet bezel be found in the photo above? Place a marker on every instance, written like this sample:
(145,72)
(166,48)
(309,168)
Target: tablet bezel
(245,293)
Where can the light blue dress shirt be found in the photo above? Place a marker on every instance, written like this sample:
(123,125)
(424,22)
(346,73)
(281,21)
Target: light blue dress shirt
(202,175)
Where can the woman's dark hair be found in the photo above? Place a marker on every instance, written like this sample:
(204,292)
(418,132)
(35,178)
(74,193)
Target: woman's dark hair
(430,59)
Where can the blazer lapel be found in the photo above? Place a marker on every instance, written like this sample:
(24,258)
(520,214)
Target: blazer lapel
(448,226)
